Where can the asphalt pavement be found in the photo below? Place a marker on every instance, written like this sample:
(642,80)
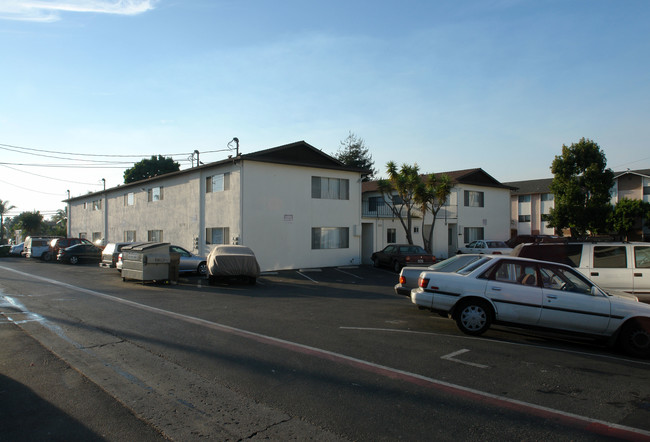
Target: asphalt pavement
(43,398)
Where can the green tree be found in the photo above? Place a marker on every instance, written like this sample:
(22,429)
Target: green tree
(60,222)
(354,153)
(581,185)
(148,168)
(5,207)
(431,195)
(30,223)
(405,182)
(627,214)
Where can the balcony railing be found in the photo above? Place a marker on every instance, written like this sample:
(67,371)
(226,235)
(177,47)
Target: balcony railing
(383,211)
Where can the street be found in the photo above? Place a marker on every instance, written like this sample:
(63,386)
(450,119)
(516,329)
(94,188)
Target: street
(326,354)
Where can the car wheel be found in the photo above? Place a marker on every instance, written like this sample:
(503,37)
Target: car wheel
(375,262)
(474,317)
(74,259)
(47,256)
(252,280)
(635,338)
(397,267)
(202,269)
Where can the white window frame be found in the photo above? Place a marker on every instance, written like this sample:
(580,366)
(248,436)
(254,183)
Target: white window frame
(155,235)
(330,188)
(330,238)
(212,235)
(217,183)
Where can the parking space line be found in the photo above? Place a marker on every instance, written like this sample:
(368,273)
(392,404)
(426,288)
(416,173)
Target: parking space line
(582,423)
(306,277)
(348,273)
(452,357)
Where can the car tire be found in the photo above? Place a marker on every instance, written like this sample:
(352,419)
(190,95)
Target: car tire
(375,262)
(74,260)
(252,280)
(47,256)
(473,317)
(396,266)
(202,269)
(635,338)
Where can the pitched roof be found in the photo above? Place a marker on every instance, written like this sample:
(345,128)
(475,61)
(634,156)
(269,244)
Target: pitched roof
(477,177)
(299,153)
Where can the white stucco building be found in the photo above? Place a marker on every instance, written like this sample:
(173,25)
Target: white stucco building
(478,208)
(294,205)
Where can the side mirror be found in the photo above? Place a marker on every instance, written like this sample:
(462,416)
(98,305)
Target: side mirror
(595,291)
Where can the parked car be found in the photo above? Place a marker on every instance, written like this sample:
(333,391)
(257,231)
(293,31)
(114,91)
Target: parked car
(396,256)
(80,252)
(486,246)
(118,264)
(408,277)
(520,239)
(623,266)
(111,253)
(62,243)
(534,294)
(38,247)
(232,261)
(17,249)
(190,263)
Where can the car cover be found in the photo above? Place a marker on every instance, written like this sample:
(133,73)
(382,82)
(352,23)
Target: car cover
(228,260)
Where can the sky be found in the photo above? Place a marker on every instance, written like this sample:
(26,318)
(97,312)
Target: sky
(89,87)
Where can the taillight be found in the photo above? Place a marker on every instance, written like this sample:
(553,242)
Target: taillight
(496,253)
(423,282)
(402,280)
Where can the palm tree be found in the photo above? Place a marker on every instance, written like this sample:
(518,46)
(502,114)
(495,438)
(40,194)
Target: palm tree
(4,209)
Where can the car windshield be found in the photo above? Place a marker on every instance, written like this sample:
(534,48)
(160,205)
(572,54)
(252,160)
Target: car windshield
(473,266)
(497,245)
(455,263)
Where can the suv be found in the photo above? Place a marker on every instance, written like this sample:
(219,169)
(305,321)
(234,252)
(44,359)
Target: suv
(38,247)
(111,252)
(62,243)
(623,266)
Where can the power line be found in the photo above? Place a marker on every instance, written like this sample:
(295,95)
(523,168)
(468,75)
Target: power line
(49,178)
(31,190)
(92,154)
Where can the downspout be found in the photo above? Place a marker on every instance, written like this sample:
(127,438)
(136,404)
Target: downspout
(201,233)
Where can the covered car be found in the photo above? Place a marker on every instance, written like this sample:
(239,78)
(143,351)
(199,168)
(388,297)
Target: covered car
(231,261)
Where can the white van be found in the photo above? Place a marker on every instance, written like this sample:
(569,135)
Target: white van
(623,266)
(38,246)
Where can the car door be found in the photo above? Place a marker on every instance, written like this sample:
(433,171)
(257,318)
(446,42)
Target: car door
(641,277)
(568,302)
(386,257)
(515,292)
(611,267)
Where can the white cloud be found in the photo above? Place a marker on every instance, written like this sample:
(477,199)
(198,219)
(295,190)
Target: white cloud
(50,10)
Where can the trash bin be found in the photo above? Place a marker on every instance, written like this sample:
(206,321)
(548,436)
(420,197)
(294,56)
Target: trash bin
(146,261)
(174,266)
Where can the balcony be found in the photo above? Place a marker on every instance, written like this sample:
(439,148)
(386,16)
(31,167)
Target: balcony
(371,209)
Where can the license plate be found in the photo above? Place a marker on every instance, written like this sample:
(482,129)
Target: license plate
(420,261)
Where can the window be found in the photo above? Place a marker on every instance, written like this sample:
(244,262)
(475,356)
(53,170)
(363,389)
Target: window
(97,236)
(155,235)
(330,188)
(330,237)
(416,229)
(642,257)
(473,198)
(83,235)
(610,257)
(547,197)
(129,236)
(217,235)
(472,233)
(375,202)
(155,194)
(217,183)
(524,198)
(391,235)
(97,204)
(85,205)
(129,199)
(524,218)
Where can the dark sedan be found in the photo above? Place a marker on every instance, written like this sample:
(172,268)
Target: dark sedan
(397,256)
(79,253)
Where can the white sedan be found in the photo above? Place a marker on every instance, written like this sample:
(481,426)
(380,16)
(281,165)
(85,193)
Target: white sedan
(537,294)
(486,246)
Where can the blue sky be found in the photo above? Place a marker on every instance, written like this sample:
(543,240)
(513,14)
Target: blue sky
(449,85)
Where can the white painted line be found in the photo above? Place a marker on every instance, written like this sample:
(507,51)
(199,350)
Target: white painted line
(306,277)
(582,423)
(348,273)
(452,357)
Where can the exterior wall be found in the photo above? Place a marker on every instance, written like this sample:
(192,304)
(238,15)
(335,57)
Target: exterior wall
(279,214)
(448,233)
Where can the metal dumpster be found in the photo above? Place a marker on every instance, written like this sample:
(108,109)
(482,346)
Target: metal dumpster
(146,261)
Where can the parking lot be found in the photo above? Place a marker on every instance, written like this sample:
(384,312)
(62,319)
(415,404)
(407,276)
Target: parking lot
(324,345)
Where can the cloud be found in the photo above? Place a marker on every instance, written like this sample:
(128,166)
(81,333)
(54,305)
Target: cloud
(50,10)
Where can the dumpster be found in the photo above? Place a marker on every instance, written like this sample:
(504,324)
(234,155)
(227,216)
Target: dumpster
(146,261)
(174,266)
